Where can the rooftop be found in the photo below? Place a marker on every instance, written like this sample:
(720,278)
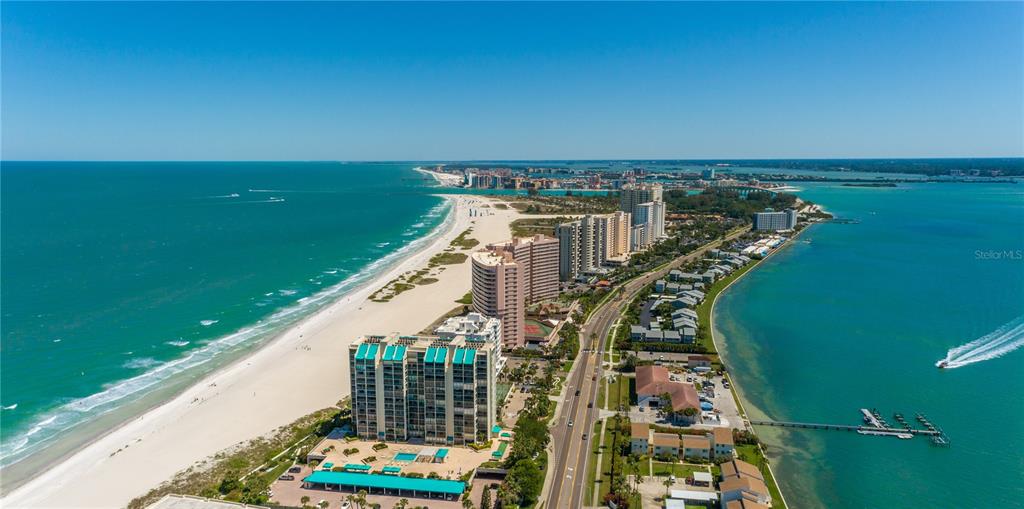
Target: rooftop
(387,482)
(654,381)
(739,468)
(723,436)
(640,430)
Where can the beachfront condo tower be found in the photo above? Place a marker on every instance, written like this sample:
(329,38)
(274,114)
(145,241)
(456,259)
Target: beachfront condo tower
(511,275)
(498,293)
(538,257)
(423,389)
(775,221)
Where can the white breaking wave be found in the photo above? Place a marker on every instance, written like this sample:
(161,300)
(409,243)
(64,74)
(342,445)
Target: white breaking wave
(993,345)
(66,416)
(177,343)
(207,323)
(144,362)
(11,407)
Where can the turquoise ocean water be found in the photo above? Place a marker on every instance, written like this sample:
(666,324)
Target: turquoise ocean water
(121,280)
(856,315)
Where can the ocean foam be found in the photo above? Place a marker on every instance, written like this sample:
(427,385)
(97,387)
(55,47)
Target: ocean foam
(207,323)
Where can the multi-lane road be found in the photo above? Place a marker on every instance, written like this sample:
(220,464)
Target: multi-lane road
(580,407)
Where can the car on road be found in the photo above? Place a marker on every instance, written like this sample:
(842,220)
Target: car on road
(570,424)
(577,392)
(584,436)
(590,405)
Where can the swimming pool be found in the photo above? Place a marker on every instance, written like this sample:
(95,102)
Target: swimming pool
(406,457)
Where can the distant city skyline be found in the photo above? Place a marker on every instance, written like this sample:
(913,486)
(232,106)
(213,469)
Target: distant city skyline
(498,81)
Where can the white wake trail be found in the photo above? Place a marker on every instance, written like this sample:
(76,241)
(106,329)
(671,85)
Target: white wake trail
(993,345)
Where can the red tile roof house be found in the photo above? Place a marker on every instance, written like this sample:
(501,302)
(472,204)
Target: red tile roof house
(653,381)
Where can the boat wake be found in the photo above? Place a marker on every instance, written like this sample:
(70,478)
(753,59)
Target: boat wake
(993,345)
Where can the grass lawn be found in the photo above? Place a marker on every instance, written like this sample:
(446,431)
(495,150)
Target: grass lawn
(592,468)
(619,392)
(606,464)
(680,471)
(645,466)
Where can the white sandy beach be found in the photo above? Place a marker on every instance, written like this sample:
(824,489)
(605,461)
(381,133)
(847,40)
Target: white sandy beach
(299,372)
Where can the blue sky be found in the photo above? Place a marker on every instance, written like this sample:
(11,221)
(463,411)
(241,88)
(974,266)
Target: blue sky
(425,81)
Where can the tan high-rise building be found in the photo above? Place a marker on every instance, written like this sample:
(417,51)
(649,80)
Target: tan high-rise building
(616,235)
(498,293)
(538,257)
(511,275)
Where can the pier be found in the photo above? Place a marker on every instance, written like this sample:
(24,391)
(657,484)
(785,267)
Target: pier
(874,425)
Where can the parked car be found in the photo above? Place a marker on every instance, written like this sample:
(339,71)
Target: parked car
(295,469)
(287,477)
(584,436)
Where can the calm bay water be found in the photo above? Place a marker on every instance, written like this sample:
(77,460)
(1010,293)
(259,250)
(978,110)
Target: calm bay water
(856,315)
(120,278)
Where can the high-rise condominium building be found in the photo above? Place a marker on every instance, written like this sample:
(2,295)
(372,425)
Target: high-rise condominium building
(538,257)
(644,202)
(511,275)
(498,293)
(587,243)
(474,327)
(652,216)
(423,389)
(775,221)
(635,194)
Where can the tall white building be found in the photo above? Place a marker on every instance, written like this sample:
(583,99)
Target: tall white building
(476,328)
(652,216)
(645,203)
(775,221)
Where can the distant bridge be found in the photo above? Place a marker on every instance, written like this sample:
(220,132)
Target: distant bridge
(744,190)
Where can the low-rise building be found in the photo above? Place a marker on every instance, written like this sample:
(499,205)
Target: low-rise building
(665,445)
(723,443)
(696,447)
(639,442)
(653,383)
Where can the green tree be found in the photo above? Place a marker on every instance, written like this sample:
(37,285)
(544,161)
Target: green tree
(485,498)
(528,480)
(402,504)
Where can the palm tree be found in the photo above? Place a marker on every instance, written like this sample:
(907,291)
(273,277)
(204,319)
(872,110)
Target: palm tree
(668,484)
(402,504)
(467,503)
(304,500)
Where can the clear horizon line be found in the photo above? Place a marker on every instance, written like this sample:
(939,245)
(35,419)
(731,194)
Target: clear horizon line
(631,159)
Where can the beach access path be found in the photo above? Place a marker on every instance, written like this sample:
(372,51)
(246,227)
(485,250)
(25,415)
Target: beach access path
(301,371)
